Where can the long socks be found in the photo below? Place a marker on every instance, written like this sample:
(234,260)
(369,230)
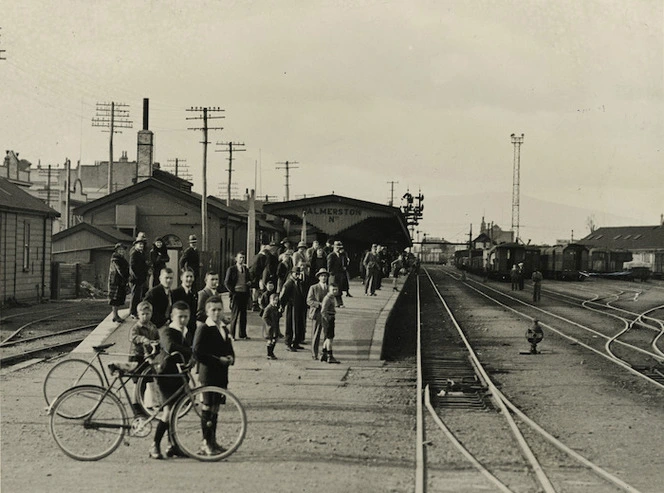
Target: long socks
(159,433)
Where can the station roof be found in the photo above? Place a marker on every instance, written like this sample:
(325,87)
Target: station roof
(346,218)
(626,238)
(15,199)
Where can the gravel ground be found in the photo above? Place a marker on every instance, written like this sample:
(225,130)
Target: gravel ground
(591,405)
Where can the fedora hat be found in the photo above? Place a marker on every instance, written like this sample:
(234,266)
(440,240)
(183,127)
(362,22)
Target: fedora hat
(302,244)
(192,239)
(322,271)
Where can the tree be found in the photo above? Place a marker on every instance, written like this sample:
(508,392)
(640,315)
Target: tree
(590,222)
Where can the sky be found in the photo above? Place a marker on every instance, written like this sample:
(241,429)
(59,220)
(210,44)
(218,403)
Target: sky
(359,93)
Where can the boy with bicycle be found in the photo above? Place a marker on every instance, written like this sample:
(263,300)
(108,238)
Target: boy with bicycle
(171,340)
(213,349)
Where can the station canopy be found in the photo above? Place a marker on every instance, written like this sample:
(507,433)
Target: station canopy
(353,221)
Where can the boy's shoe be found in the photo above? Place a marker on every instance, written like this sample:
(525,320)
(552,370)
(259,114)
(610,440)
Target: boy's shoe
(207,449)
(332,360)
(155,453)
(291,349)
(271,356)
(323,357)
(175,451)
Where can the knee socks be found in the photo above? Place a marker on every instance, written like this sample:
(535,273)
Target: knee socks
(159,433)
(206,426)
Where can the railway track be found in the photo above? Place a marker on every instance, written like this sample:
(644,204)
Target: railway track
(632,356)
(436,376)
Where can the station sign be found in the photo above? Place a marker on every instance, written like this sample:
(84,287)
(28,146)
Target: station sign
(334,217)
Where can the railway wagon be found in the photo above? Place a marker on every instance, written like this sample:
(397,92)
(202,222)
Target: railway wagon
(604,260)
(473,264)
(566,262)
(502,257)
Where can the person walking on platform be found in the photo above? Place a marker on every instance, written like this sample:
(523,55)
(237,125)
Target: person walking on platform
(514,277)
(238,284)
(118,280)
(315,297)
(537,285)
(158,259)
(185,292)
(191,259)
(398,269)
(371,269)
(160,298)
(293,300)
(138,275)
(213,350)
(328,317)
(335,269)
(344,284)
(521,277)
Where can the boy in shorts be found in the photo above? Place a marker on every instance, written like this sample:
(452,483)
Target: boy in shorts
(271,316)
(328,314)
(213,349)
(143,333)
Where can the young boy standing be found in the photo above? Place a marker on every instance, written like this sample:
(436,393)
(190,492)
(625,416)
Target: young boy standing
(271,316)
(143,333)
(264,299)
(213,349)
(171,339)
(328,314)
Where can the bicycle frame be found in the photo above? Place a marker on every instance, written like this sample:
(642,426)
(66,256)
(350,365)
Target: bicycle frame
(123,378)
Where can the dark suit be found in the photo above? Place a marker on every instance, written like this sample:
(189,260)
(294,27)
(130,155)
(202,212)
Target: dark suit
(138,278)
(238,299)
(336,270)
(191,299)
(170,340)
(191,259)
(294,298)
(203,296)
(208,346)
(161,305)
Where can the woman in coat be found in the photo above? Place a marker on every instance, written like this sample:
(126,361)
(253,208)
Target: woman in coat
(158,259)
(118,278)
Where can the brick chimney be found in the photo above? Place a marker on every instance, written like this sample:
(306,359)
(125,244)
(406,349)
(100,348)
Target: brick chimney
(145,155)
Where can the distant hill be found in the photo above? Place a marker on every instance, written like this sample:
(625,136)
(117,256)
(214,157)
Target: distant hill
(541,221)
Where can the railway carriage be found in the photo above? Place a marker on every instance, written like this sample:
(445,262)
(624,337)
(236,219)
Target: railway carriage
(565,262)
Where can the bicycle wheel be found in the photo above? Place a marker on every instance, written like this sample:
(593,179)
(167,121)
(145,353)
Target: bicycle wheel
(228,427)
(98,428)
(68,374)
(141,384)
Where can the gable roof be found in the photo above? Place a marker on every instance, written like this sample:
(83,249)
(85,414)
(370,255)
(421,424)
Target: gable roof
(13,198)
(191,197)
(626,237)
(106,232)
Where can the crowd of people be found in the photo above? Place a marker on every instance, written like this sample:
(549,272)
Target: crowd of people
(304,284)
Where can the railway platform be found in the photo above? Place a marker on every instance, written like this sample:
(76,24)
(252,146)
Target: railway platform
(312,426)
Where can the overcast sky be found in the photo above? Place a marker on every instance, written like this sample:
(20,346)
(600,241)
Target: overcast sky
(360,93)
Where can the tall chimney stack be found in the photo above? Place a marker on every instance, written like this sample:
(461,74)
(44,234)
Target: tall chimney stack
(145,154)
(146,113)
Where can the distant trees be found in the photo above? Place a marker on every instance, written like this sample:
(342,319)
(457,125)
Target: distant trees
(590,222)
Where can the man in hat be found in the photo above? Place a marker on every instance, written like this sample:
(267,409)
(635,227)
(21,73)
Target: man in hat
(293,298)
(191,259)
(285,246)
(301,256)
(315,298)
(138,275)
(263,259)
(158,259)
(336,270)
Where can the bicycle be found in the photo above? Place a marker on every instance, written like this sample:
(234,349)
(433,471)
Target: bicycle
(88,422)
(72,372)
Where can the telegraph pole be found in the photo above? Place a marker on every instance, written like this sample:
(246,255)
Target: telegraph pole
(180,167)
(205,117)
(287,165)
(516,179)
(392,183)
(230,163)
(112,116)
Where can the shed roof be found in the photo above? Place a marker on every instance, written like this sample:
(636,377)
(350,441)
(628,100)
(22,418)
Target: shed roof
(626,237)
(106,232)
(13,198)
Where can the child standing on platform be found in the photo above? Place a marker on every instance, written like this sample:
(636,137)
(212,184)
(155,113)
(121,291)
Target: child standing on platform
(328,315)
(143,333)
(213,349)
(264,300)
(271,316)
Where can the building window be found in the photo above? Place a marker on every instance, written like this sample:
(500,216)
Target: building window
(598,237)
(636,237)
(616,237)
(627,237)
(26,246)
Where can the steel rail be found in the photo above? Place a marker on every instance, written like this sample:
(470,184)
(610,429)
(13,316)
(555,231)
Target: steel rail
(464,451)
(45,336)
(420,484)
(525,448)
(18,331)
(562,334)
(506,402)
